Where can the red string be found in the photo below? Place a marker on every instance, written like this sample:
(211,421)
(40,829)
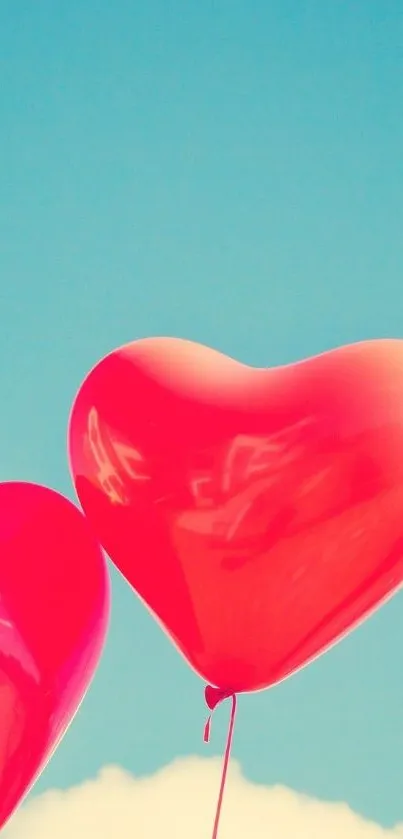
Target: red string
(213,698)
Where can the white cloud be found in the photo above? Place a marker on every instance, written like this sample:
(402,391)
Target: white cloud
(178,803)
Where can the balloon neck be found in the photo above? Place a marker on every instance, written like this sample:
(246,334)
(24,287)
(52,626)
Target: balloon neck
(213,697)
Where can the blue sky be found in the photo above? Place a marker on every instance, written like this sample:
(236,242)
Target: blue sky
(229,172)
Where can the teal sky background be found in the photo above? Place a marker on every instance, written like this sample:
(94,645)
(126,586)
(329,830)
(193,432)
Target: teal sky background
(229,172)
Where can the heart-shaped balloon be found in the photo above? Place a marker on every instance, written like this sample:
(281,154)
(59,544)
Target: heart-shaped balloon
(54,603)
(257,512)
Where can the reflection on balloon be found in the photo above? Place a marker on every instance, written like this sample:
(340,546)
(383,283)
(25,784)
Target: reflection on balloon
(115,463)
(54,602)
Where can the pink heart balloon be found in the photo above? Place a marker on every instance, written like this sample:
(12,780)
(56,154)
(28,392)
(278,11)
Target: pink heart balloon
(54,605)
(257,512)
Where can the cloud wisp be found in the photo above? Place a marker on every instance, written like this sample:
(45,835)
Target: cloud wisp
(178,802)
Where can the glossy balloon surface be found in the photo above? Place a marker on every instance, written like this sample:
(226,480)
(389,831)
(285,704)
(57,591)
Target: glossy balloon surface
(54,600)
(258,513)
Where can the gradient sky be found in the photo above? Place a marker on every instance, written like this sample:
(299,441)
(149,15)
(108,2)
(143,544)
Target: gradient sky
(229,172)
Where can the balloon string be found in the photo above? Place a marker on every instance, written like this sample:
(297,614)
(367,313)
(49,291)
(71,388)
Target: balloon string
(212,703)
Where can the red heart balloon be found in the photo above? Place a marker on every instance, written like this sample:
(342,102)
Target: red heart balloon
(54,601)
(258,513)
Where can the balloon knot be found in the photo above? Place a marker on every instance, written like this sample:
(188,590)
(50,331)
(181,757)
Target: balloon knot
(213,696)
